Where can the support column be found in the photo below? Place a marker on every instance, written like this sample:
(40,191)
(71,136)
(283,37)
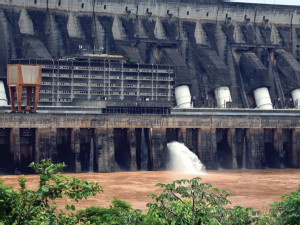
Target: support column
(101,149)
(132,141)
(157,150)
(232,144)
(189,139)
(45,144)
(75,146)
(182,135)
(255,148)
(199,145)
(209,148)
(111,149)
(53,143)
(15,149)
(296,148)
(278,146)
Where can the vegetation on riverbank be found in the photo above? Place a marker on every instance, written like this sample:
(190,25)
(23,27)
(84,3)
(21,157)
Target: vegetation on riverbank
(180,202)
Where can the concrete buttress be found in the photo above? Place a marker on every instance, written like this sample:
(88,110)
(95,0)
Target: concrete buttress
(75,146)
(209,148)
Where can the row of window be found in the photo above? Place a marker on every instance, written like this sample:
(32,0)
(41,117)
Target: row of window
(119,93)
(108,69)
(108,77)
(102,84)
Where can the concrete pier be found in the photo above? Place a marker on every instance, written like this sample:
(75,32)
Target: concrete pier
(271,140)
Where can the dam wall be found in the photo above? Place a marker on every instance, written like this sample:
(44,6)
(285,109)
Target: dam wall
(211,43)
(109,142)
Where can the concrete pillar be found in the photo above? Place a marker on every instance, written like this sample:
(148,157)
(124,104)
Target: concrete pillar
(159,31)
(111,149)
(199,144)
(157,149)
(182,135)
(200,35)
(15,148)
(132,141)
(189,138)
(209,148)
(75,146)
(105,149)
(278,145)
(53,141)
(25,23)
(73,27)
(233,146)
(45,144)
(117,29)
(296,148)
(255,148)
(101,153)
(139,29)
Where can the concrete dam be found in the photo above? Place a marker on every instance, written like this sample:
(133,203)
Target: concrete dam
(122,79)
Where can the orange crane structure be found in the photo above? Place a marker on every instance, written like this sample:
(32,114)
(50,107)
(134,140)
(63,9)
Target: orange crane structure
(19,76)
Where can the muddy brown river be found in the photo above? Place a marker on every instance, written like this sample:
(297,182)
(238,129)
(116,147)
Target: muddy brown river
(253,188)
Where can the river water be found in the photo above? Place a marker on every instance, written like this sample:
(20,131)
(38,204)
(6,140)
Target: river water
(253,188)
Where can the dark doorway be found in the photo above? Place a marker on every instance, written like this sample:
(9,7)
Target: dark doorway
(6,159)
(122,149)
(27,149)
(224,153)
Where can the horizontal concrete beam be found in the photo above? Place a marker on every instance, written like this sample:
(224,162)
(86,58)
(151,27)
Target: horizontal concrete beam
(207,120)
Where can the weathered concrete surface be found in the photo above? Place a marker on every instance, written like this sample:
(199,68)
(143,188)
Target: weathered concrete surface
(220,138)
(147,30)
(211,119)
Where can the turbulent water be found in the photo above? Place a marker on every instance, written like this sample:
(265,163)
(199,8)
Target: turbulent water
(253,188)
(182,160)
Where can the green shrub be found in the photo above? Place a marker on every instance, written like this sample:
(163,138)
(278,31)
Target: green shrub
(287,211)
(37,206)
(119,212)
(193,202)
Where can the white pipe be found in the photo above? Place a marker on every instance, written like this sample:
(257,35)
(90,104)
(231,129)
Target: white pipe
(183,96)
(296,97)
(262,98)
(3,99)
(223,96)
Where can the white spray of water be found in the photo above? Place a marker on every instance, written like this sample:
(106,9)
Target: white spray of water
(182,160)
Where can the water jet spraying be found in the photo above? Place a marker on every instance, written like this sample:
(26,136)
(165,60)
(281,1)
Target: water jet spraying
(182,160)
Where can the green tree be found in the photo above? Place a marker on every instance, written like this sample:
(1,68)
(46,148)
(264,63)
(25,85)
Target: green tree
(287,211)
(120,212)
(37,206)
(193,202)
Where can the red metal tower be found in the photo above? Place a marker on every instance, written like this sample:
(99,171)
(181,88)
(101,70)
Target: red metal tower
(19,76)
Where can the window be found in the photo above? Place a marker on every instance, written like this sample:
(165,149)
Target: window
(168,11)
(188,13)
(104,7)
(82,5)
(59,3)
(35,1)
